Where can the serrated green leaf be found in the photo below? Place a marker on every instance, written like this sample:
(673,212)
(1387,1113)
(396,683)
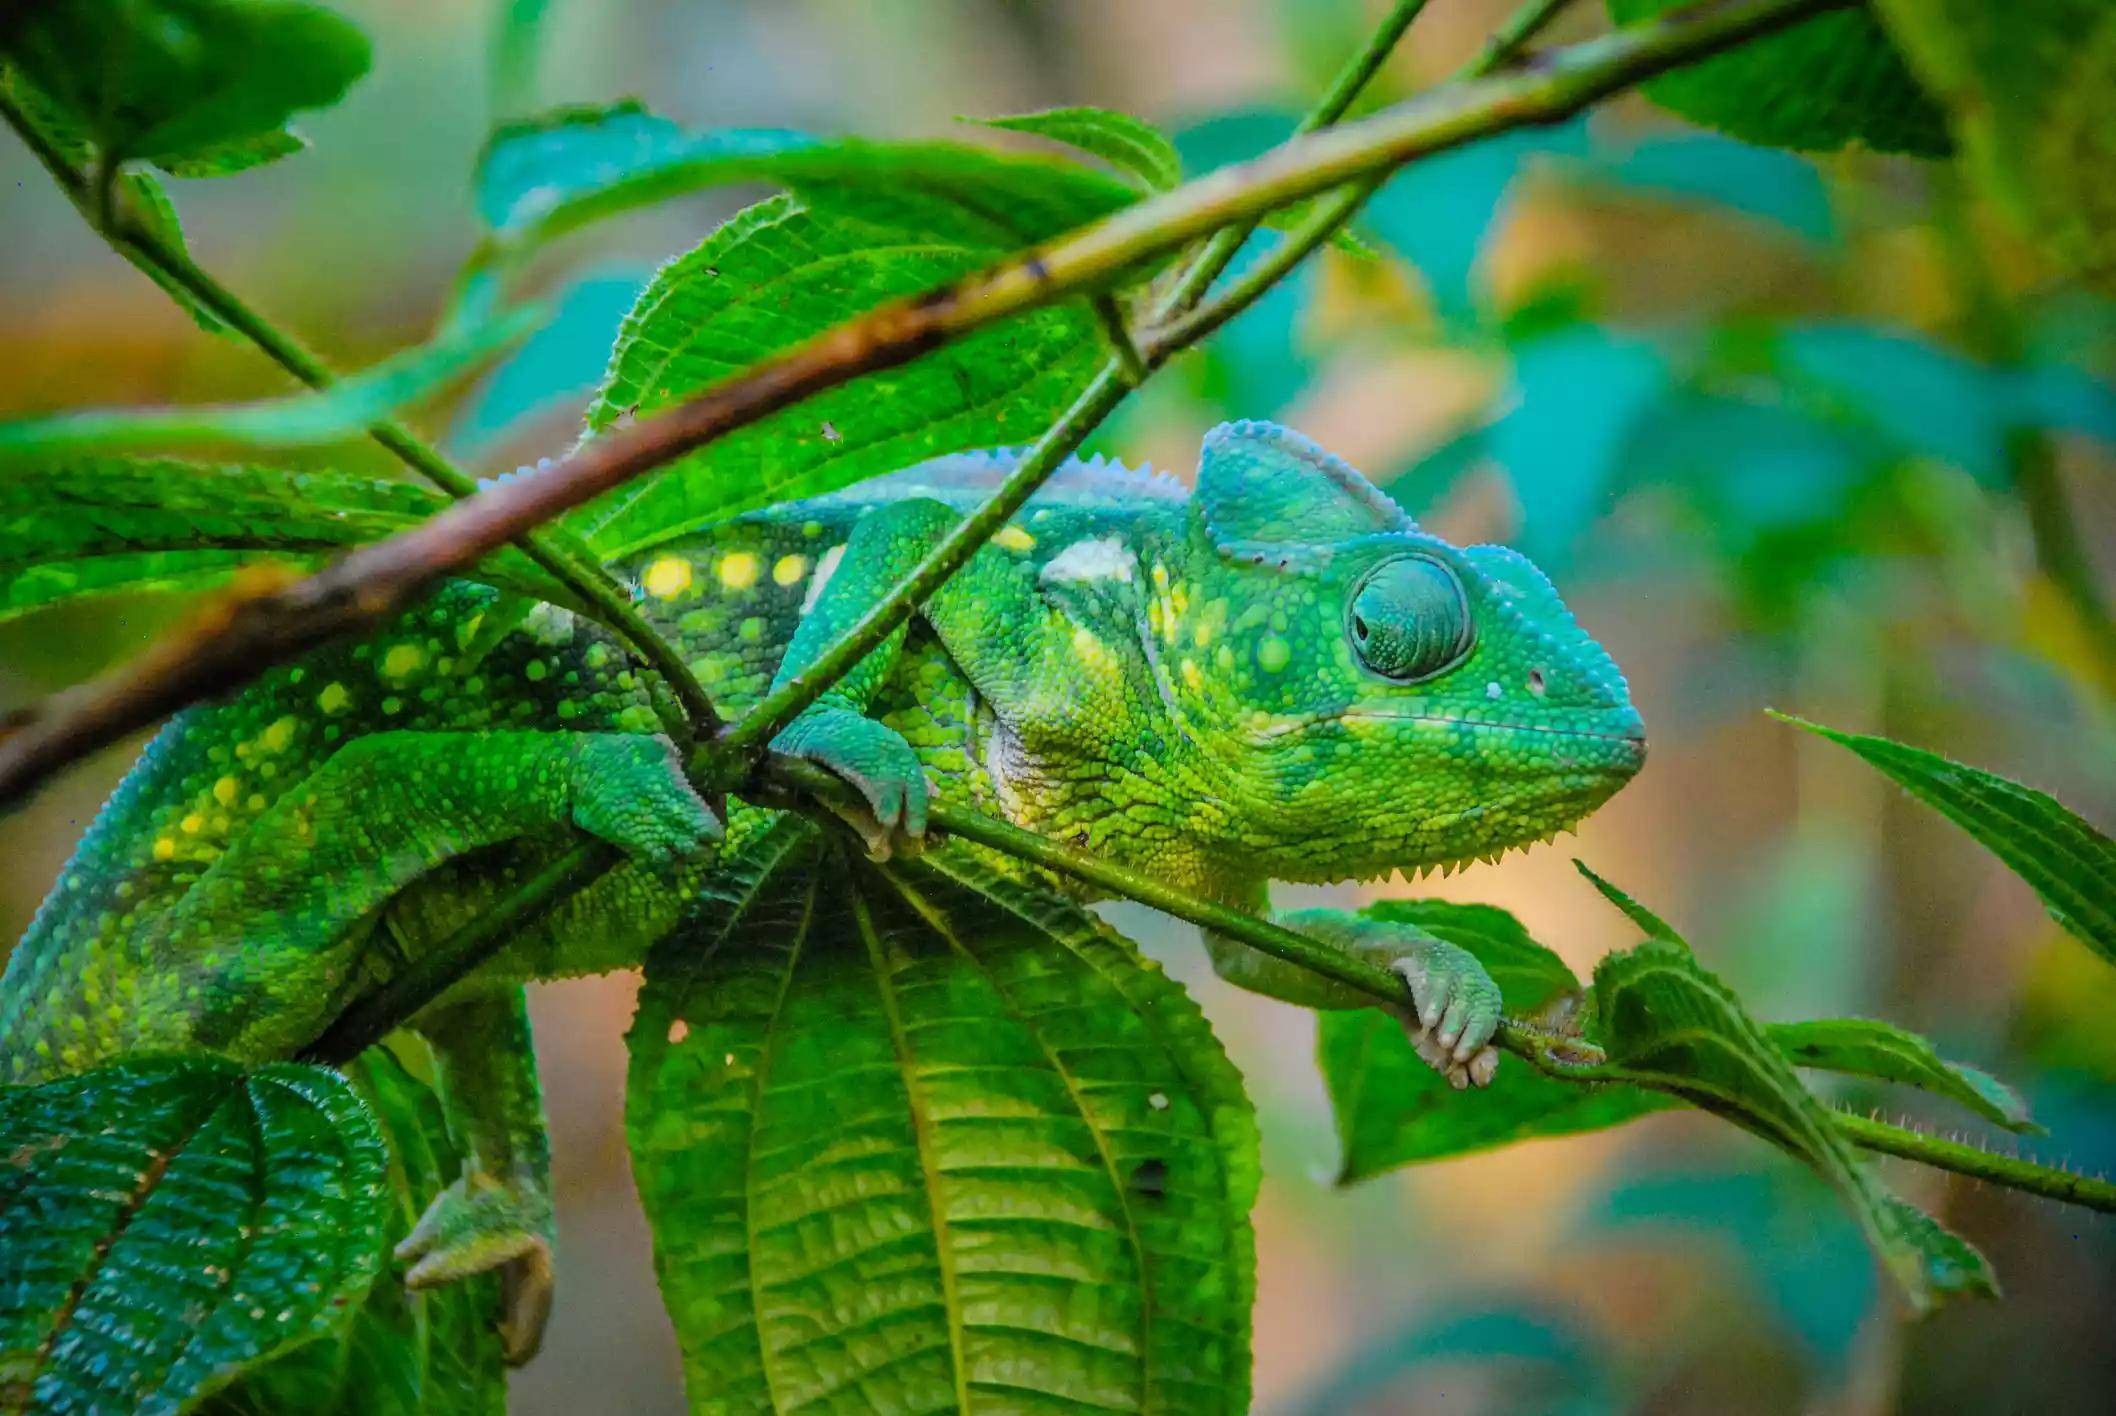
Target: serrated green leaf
(1649,923)
(2066,860)
(343,410)
(1667,1023)
(102,525)
(1864,1047)
(166,1223)
(1133,146)
(920,1138)
(177,80)
(2031,89)
(540,179)
(780,272)
(1952,1264)
(433,1352)
(239,155)
(1392,1109)
(1826,83)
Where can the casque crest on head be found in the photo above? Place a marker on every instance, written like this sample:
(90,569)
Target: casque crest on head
(1269,495)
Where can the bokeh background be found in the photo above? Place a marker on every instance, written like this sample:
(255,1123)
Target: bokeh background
(1807,434)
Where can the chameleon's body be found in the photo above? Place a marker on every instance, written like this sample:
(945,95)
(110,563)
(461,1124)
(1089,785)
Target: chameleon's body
(1275,678)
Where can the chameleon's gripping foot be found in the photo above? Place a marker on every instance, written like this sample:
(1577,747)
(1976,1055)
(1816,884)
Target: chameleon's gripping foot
(876,761)
(1457,1011)
(479,1224)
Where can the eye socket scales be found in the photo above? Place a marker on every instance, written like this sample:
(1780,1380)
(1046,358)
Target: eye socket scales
(1409,619)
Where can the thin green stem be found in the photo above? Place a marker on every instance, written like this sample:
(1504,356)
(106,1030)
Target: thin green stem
(2014,1173)
(551,549)
(1331,211)
(1126,370)
(397,1001)
(1565,1058)
(1213,258)
(732,754)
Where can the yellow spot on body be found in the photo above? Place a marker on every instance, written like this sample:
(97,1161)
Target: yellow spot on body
(788,569)
(1092,651)
(280,736)
(403,660)
(225,789)
(1153,615)
(668,577)
(1180,598)
(164,847)
(191,825)
(333,698)
(1191,675)
(1201,633)
(1013,538)
(737,570)
(1160,577)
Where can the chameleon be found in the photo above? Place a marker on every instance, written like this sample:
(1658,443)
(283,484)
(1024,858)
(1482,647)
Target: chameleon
(1272,675)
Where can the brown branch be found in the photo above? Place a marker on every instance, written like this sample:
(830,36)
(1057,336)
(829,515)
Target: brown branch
(377,580)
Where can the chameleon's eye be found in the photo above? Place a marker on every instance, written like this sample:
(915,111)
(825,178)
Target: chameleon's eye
(1410,619)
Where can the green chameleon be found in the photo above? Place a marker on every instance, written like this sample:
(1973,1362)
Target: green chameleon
(1274,677)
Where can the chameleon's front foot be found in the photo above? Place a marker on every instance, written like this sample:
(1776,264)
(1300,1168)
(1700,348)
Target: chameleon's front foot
(1457,1008)
(482,1223)
(875,760)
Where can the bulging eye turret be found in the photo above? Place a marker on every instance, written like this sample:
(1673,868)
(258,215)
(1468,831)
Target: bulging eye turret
(1409,619)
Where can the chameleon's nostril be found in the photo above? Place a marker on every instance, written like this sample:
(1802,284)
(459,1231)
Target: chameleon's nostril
(1535,682)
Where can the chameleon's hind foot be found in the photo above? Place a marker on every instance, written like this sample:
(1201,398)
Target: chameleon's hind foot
(631,791)
(874,759)
(481,1223)
(1457,1011)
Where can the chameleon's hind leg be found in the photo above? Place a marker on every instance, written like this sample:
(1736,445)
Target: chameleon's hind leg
(497,1214)
(262,945)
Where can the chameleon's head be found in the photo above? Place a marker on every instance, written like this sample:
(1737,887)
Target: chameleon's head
(1373,698)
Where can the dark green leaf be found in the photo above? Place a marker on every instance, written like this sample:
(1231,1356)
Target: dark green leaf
(435,1352)
(1952,1264)
(780,272)
(1392,1109)
(1832,81)
(346,408)
(538,180)
(2070,864)
(1670,1025)
(183,80)
(921,1138)
(167,1223)
(1863,1047)
(1649,923)
(1133,146)
(240,155)
(2028,87)
(99,525)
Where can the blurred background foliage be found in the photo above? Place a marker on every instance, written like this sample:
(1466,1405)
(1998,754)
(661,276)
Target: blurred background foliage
(1816,434)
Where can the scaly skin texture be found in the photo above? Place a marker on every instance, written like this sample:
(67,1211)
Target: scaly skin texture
(1276,677)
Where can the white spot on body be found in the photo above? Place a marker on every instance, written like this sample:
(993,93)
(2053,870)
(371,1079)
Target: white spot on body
(826,567)
(1493,691)
(1104,558)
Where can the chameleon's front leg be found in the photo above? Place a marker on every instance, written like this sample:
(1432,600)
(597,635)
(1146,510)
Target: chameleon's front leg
(835,730)
(497,1214)
(1457,1005)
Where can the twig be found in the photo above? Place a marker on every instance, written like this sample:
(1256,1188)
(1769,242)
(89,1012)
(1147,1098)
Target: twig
(556,552)
(1567,1059)
(376,580)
